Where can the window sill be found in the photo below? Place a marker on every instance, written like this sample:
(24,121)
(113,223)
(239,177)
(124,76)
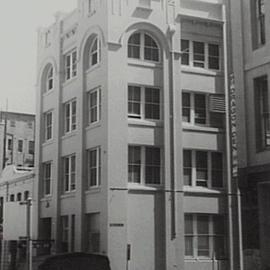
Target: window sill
(144,63)
(46,198)
(69,134)
(203,259)
(93,125)
(134,186)
(205,190)
(92,68)
(201,71)
(48,93)
(144,8)
(68,194)
(92,190)
(48,142)
(191,127)
(69,81)
(142,122)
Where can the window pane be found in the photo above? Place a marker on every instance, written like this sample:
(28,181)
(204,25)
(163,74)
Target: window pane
(134,46)
(200,109)
(201,168)
(152,165)
(198,54)
(203,246)
(217,169)
(134,101)
(213,56)
(185,52)
(188,224)
(152,103)
(187,168)
(186,108)
(151,50)
(202,224)
(134,164)
(188,245)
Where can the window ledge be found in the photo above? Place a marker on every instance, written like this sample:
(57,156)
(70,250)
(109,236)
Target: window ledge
(144,63)
(68,194)
(69,81)
(49,92)
(93,125)
(202,71)
(134,186)
(145,8)
(46,198)
(48,142)
(92,190)
(191,127)
(69,134)
(92,68)
(142,122)
(189,189)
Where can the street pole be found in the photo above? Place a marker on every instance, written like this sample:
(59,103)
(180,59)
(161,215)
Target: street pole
(28,204)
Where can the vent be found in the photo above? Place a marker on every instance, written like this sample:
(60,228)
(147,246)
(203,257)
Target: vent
(217,103)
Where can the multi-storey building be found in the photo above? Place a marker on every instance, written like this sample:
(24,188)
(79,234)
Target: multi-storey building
(132,145)
(251,46)
(17,132)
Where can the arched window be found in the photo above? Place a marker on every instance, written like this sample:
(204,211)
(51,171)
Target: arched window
(19,197)
(143,46)
(95,52)
(49,79)
(26,195)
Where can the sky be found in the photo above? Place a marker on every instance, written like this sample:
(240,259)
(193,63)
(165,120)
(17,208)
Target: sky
(19,21)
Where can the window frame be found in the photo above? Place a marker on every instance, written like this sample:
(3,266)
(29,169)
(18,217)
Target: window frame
(48,126)
(189,54)
(47,179)
(69,176)
(31,147)
(142,103)
(143,165)
(90,231)
(49,79)
(96,106)
(71,64)
(260,18)
(211,235)
(142,47)
(20,145)
(70,119)
(209,169)
(96,41)
(97,167)
(192,108)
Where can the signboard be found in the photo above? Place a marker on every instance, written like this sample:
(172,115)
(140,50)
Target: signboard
(233,127)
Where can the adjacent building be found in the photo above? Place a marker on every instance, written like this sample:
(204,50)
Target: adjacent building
(17,132)
(133,151)
(251,47)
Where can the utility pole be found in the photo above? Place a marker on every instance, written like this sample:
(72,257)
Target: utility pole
(28,204)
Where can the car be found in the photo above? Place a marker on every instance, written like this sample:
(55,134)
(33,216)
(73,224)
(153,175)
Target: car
(75,261)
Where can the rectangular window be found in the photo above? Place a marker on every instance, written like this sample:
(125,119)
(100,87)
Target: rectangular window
(200,54)
(94,106)
(69,173)
(70,116)
(204,236)
(10,144)
(203,168)
(144,165)
(31,147)
(194,108)
(94,167)
(262,120)
(48,125)
(93,232)
(71,65)
(12,123)
(144,103)
(64,233)
(184,52)
(47,178)
(20,146)
(213,56)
